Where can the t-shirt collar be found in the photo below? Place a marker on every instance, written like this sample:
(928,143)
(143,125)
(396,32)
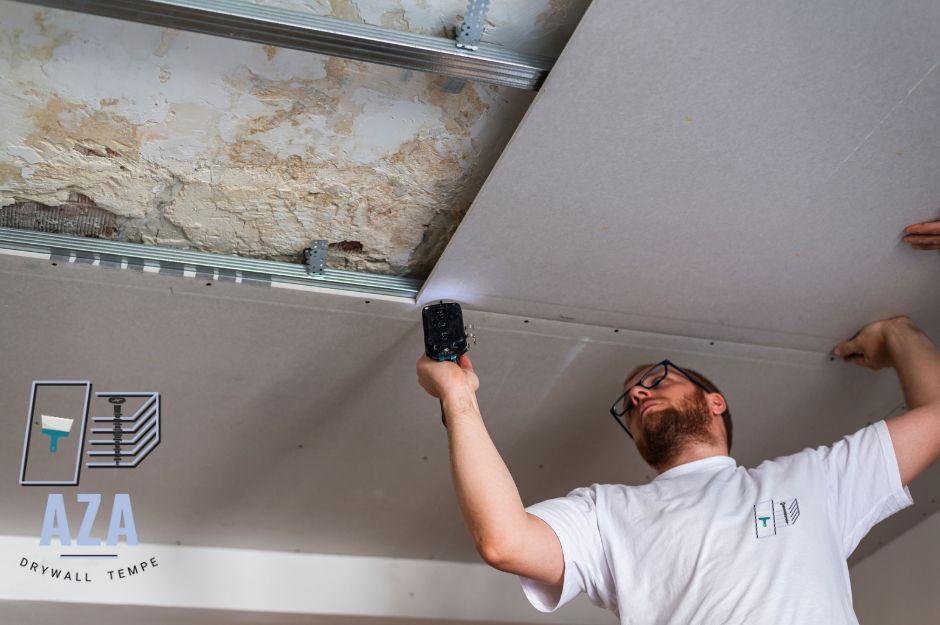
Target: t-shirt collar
(705,465)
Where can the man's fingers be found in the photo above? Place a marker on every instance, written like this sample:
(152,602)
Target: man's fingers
(842,350)
(923,243)
(847,347)
(424,360)
(857,359)
(927,227)
(464,361)
(922,239)
(849,351)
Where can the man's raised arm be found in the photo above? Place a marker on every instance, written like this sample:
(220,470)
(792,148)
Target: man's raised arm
(898,343)
(505,535)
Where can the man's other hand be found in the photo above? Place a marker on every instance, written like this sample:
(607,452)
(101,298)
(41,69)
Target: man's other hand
(923,236)
(869,347)
(441,378)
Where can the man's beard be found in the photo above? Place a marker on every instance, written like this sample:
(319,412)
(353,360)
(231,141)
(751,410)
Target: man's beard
(667,433)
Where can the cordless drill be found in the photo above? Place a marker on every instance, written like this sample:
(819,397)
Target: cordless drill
(445,335)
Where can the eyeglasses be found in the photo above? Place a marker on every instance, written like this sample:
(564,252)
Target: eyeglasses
(652,378)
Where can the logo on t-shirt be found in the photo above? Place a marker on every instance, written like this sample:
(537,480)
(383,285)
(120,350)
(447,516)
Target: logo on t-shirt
(769,516)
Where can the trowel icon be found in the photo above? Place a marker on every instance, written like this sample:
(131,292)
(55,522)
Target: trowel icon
(55,428)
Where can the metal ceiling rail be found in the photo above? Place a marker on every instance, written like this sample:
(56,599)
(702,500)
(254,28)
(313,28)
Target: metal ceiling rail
(203,265)
(238,19)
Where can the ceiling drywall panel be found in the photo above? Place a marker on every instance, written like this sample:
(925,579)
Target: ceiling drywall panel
(740,172)
(293,421)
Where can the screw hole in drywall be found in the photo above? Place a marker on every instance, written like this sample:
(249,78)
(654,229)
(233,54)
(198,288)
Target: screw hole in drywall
(711,342)
(368,301)
(208,284)
(55,264)
(525,321)
(616,330)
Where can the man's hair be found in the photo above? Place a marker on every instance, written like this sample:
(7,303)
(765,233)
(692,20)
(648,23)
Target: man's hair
(701,379)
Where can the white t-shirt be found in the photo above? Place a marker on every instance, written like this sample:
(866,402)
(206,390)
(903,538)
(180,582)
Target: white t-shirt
(710,542)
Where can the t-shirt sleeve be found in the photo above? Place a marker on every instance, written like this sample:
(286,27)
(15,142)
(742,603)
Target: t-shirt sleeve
(574,520)
(864,483)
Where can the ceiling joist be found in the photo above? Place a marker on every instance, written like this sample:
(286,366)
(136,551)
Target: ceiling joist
(236,19)
(218,267)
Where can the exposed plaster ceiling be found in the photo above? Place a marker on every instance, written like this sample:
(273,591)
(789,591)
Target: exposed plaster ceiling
(191,141)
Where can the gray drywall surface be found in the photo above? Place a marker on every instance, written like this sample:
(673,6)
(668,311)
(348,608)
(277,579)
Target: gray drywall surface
(721,170)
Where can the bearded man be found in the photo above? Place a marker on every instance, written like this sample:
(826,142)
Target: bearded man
(706,541)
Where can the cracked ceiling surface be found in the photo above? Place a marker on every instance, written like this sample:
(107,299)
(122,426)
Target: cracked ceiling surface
(178,139)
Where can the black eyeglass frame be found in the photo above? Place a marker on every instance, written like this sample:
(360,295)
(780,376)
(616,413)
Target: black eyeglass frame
(618,416)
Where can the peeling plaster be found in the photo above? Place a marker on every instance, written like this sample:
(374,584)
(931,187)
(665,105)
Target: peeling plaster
(231,147)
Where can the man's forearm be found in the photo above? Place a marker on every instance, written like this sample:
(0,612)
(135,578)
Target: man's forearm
(917,363)
(898,343)
(488,497)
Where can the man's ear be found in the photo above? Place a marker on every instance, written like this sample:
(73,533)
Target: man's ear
(716,403)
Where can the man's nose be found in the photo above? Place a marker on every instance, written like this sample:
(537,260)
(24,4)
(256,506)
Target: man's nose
(638,394)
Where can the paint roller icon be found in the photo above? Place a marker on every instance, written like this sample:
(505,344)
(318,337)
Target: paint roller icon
(55,428)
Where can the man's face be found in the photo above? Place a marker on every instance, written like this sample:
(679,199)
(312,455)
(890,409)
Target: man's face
(667,418)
